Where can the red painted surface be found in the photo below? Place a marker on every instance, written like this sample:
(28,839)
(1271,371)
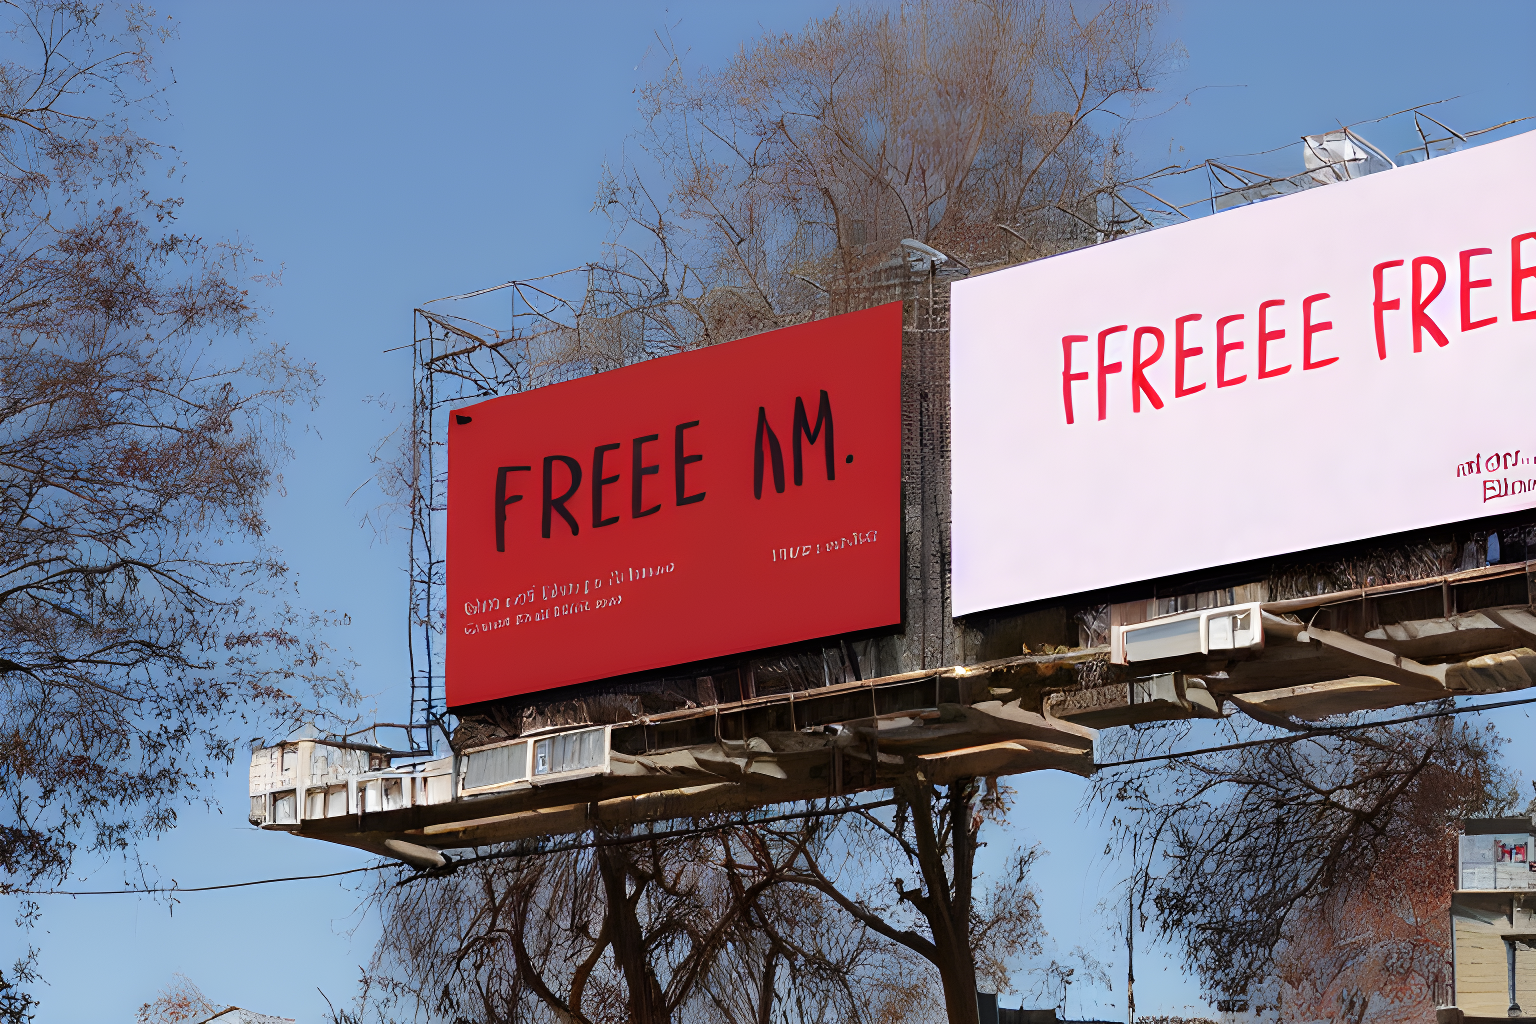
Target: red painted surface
(679,570)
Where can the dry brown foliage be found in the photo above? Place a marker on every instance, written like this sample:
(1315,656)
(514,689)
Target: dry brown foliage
(971,937)
(1378,946)
(780,186)
(1326,862)
(794,923)
(682,929)
(141,426)
(178,1003)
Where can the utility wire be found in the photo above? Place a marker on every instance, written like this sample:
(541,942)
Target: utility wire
(642,837)
(567,847)
(196,888)
(1328,730)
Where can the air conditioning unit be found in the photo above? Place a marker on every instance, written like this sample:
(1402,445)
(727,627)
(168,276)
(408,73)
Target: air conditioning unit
(1234,627)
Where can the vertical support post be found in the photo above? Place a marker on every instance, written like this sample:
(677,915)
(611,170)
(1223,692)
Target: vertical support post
(1452,997)
(929,639)
(301,778)
(1514,1004)
(924,427)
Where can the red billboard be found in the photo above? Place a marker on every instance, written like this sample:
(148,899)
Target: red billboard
(723,500)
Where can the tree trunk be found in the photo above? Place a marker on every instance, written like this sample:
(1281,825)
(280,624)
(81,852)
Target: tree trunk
(947,904)
(765,993)
(647,1003)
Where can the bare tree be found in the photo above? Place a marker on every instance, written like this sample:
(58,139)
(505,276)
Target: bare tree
(142,423)
(774,191)
(1378,946)
(778,187)
(1055,978)
(1325,860)
(966,935)
(16,1004)
(691,928)
(180,1002)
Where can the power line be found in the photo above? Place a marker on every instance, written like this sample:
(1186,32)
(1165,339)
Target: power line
(453,864)
(642,837)
(196,888)
(1332,730)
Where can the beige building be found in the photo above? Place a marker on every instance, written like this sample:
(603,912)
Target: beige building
(1493,920)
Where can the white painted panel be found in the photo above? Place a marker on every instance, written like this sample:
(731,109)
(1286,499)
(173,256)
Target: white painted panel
(1356,446)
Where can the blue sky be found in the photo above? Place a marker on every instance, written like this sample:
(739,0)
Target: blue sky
(385,154)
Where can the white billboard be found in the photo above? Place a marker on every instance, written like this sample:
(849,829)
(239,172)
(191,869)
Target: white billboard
(1351,361)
